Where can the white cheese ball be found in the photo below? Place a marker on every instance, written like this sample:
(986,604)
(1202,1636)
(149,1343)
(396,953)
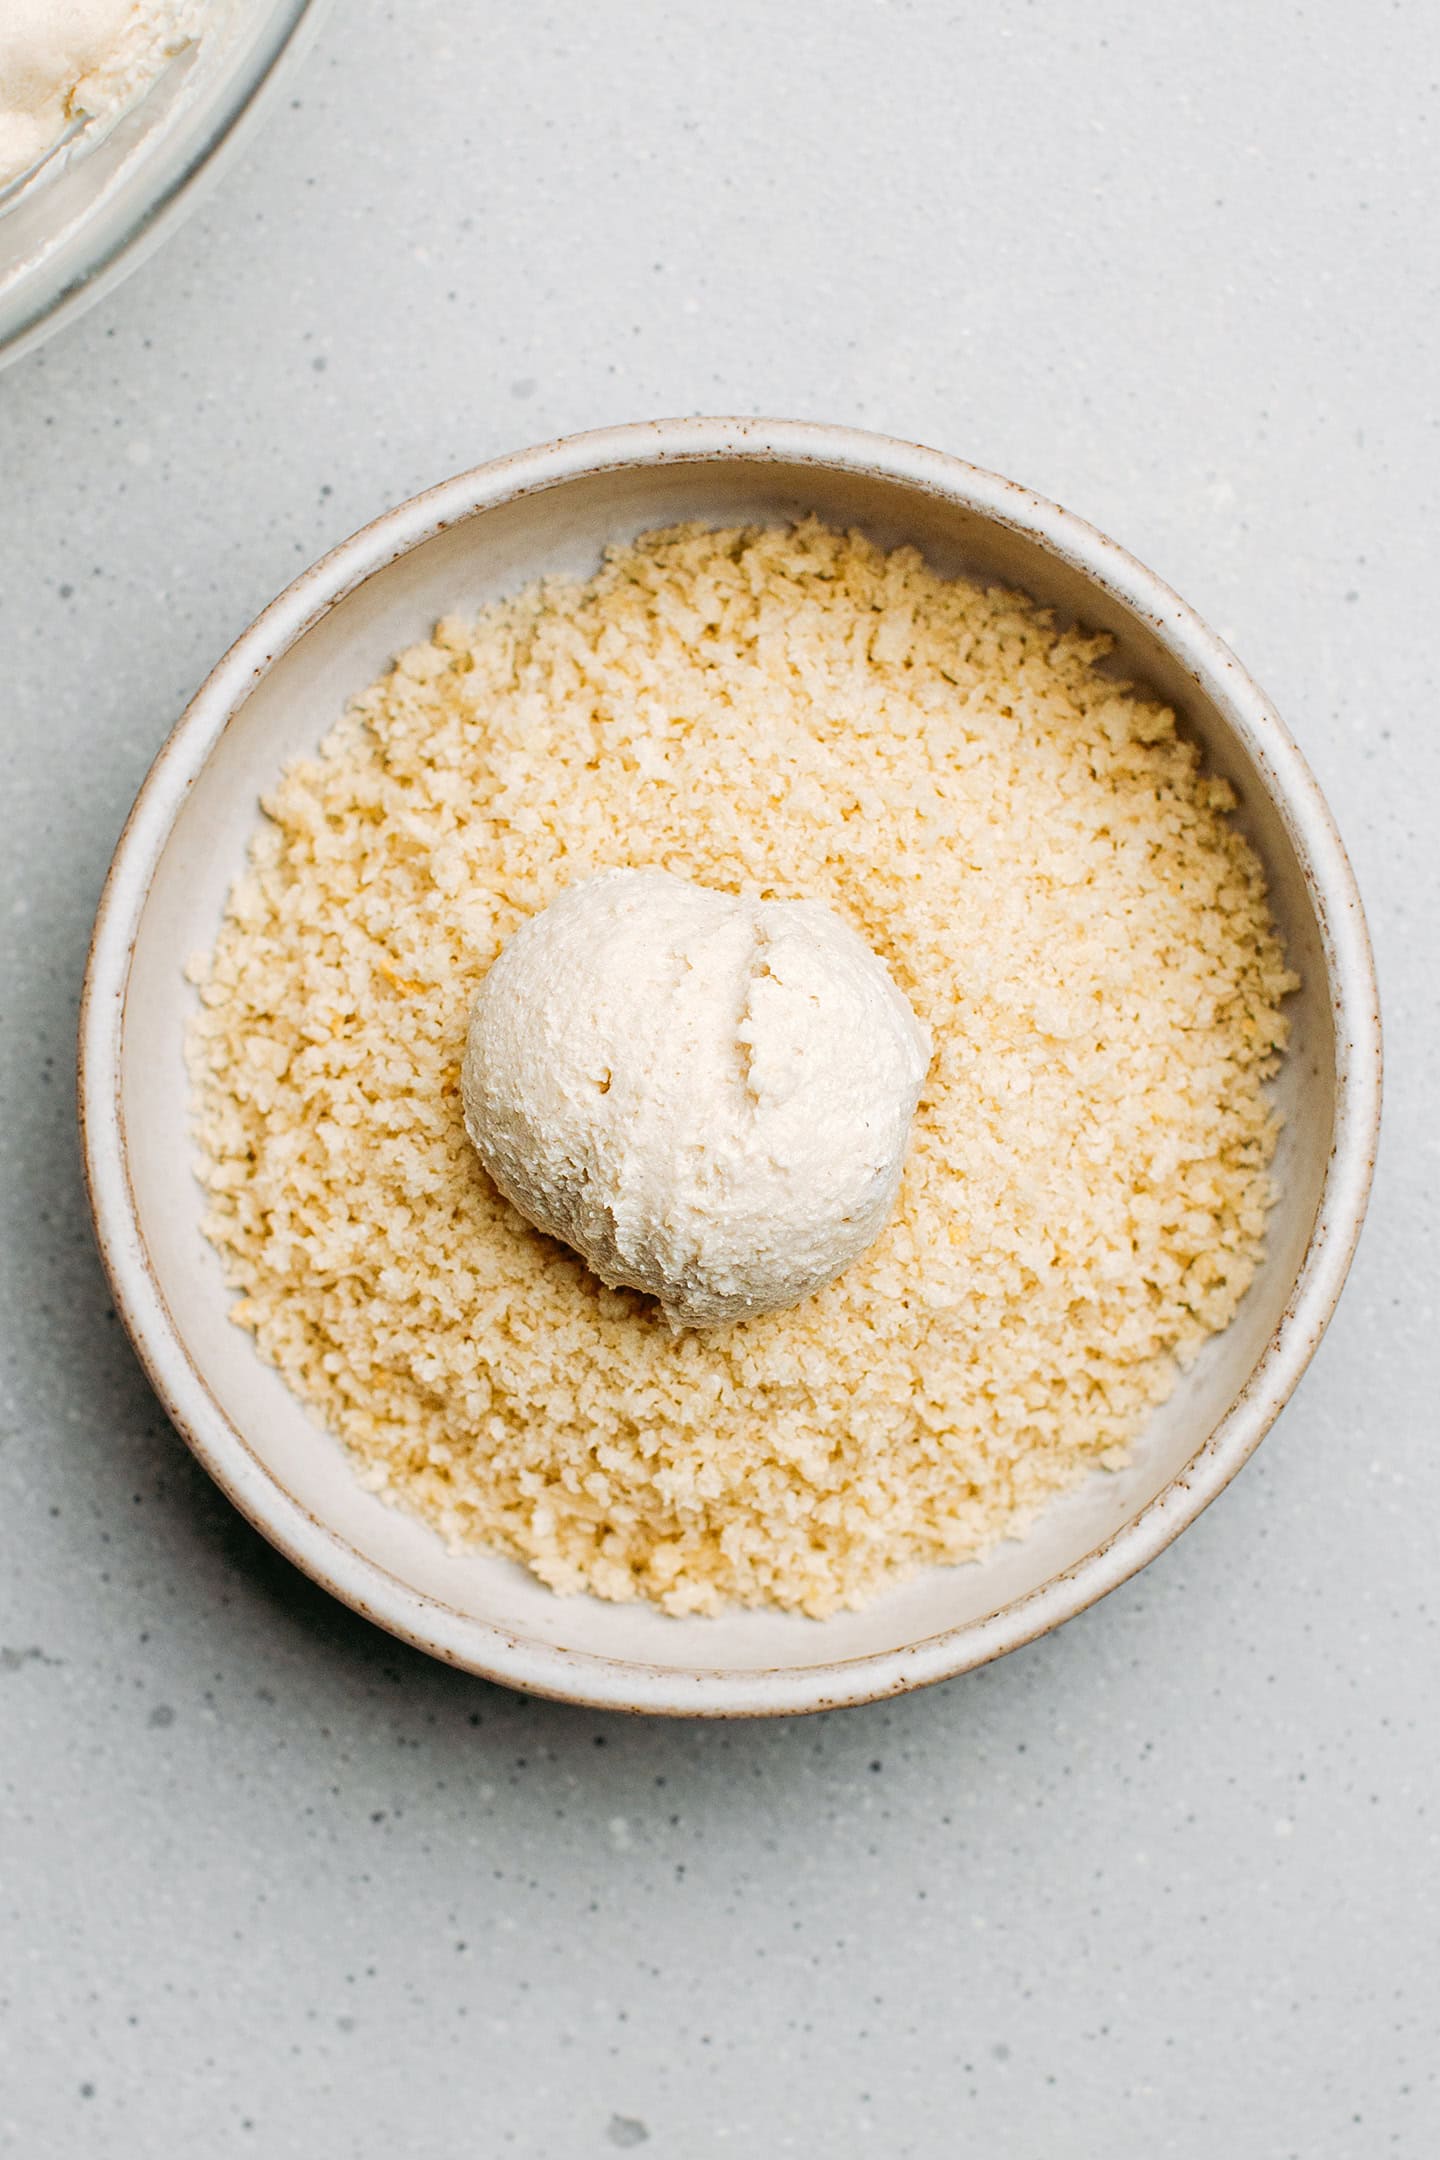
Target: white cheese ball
(707,1096)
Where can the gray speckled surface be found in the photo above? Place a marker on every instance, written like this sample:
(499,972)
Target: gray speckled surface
(1163,1884)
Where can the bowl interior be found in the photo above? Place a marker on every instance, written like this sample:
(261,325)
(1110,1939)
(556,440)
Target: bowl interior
(562,529)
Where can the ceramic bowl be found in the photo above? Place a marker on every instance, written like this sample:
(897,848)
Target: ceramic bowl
(550,511)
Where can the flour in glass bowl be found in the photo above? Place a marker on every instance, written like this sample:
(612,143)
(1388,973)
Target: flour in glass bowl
(63,61)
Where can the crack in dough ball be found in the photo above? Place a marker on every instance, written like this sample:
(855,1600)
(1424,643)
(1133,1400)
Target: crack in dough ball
(708,1096)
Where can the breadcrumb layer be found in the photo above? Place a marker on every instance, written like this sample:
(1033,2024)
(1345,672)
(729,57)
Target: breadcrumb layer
(1053,880)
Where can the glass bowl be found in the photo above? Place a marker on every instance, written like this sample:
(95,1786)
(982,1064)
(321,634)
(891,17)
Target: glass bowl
(110,190)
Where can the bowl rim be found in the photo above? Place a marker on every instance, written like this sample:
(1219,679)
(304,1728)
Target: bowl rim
(579,1676)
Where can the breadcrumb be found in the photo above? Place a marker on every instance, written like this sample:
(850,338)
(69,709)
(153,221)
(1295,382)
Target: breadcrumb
(1054,881)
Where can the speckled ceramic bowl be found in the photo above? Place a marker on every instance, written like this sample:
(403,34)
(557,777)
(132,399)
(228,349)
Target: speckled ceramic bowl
(487,533)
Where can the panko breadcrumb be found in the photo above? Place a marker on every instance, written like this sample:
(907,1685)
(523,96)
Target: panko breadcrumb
(1053,880)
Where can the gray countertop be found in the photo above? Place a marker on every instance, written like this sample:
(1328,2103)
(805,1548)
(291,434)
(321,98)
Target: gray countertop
(1162,1884)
